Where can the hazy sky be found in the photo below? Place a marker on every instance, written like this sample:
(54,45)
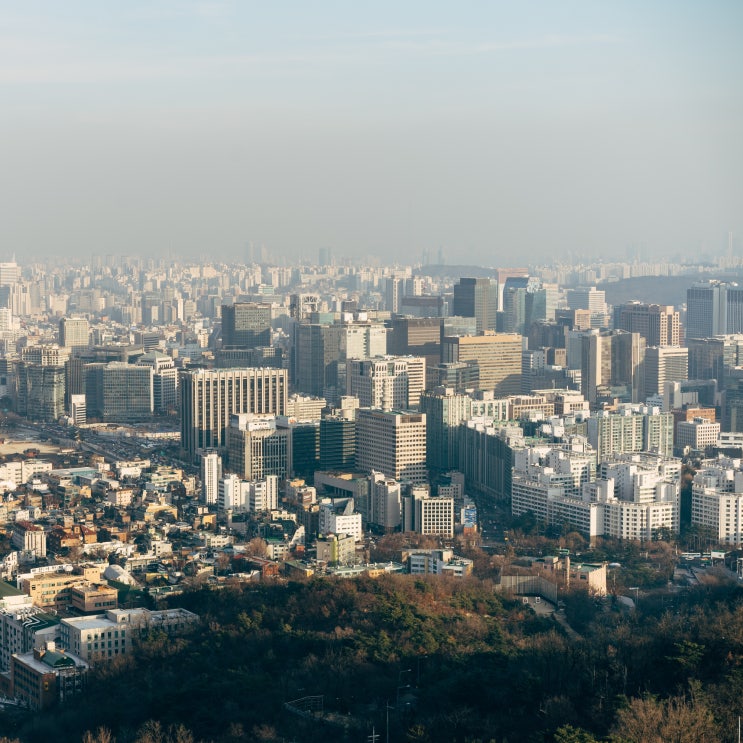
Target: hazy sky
(502,131)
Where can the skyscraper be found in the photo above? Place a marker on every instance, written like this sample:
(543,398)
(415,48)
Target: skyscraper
(246,325)
(40,378)
(497,355)
(211,474)
(337,443)
(714,308)
(256,447)
(393,443)
(164,380)
(612,364)
(664,364)
(445,409)
(658,324)
(74,332)
(477,298)
(209,396)
(387,382)
(118,391)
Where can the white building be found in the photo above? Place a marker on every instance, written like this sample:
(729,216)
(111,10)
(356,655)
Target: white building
(717,500)
(636,495)
(387,382)
(211,473)
(433,515)
(337,516)
(386,502)
(102,637)
(437,562)
(696,435)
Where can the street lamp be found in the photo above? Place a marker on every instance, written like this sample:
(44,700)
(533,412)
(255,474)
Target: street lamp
(400,685)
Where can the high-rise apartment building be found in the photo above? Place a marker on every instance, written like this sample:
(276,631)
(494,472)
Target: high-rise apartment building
(658,324)
(477,298)
(393,443)
(497,355)
(209,396)
(246,325)
(211,474)
(633,428)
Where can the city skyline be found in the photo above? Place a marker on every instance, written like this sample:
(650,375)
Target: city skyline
(489,132)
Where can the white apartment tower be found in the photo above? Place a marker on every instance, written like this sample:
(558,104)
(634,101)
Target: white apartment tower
(211,474)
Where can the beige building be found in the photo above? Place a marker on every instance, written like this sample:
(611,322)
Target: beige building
(393,443)
(102,637)
(92,597)
(387,382)
(210,396)
(498,358)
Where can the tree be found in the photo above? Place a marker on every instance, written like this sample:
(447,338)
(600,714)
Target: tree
(102,735)
(256,547)
(569,734)
(649,720)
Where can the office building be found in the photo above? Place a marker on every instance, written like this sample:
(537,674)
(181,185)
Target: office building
(393,443)
(387,382)
(337,516)
(386,502)
(210,396)
(164,381)
(337,443)
(711,358)
(246,325)
(445,409)
(302,445)
(714,308)
(497,355)
(477,298)
(664,364)
(658,324)
(78,410)
(612,366)
(696,435)
(256,448)
(434,516)
(119,392)
(416,336)
(321,352)
(74,332)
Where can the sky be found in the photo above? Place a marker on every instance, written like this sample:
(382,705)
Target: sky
(500,133)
